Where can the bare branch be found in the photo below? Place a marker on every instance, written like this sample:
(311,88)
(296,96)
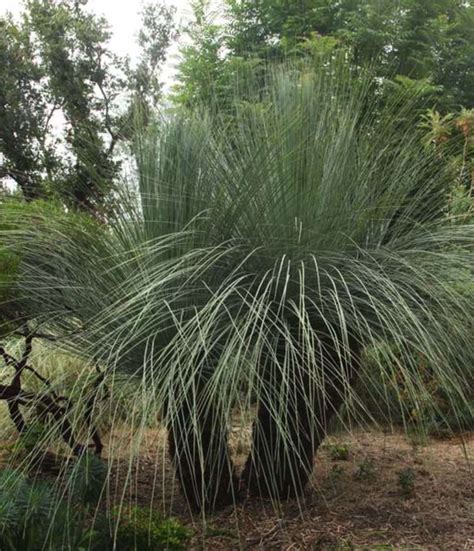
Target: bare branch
(51,403)
(108,121)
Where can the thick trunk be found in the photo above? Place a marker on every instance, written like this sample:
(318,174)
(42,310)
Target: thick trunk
(197,439)
(285,440)
(16,416)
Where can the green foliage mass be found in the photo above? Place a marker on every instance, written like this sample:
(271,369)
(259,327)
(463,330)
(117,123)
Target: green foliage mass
(8,272)
(420,40)
(436,411)
(422,50)
(146,530)
(60,91)
(13,310)
(37,515)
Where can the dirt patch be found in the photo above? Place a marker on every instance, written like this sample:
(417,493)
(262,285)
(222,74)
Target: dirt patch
(388,494)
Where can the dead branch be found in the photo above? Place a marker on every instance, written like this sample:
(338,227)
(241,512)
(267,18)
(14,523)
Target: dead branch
(48,402)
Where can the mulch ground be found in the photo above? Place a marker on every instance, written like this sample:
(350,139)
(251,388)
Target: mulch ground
(388,494)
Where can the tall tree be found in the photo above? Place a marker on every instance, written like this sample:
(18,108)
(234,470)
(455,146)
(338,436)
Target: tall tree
(61,92)
(201,72)
(423,40)
(157,32)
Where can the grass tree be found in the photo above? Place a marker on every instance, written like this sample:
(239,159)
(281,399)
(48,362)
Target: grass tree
(253,264)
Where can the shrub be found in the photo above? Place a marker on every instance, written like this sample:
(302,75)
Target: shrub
(365,470)
(270,257)
(35,515)
(339,452)
(141,529)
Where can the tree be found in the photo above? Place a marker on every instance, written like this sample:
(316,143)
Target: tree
(201,76)
(451,137)
(260,266)
(60,91)
(157,32)
(421,40)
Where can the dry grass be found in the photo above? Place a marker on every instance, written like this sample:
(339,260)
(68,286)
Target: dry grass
(357,503)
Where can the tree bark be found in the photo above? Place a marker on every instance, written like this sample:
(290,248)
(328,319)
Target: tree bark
(197,437)
(291,424)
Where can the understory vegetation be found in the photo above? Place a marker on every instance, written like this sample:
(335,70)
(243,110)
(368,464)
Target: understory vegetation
(36,514)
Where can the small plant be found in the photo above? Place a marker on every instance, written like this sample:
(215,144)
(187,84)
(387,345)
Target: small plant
(406,481)
(365,470)
(340,545)
(336,473)
(31,440)
(339,452)
(87,478)
(32,517)
(145,530)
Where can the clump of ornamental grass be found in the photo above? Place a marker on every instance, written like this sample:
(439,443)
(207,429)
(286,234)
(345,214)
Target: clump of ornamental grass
(254,261)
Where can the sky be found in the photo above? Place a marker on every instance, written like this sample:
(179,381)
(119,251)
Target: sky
(124,20)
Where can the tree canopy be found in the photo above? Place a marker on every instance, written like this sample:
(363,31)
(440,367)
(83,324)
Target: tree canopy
(65,97)
(422,40)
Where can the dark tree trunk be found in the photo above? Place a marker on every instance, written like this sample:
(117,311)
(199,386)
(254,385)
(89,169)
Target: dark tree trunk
(284,441)
(16,416)
(281,458)
(197,437)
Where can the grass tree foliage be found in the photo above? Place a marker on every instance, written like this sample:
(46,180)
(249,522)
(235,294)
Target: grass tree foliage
(253,266)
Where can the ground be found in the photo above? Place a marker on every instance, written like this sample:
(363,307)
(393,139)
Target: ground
(390,493)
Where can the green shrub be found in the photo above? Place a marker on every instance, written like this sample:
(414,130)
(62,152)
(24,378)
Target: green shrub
(388,395)
(26,512)
(35,516)
(339,452)
(142,529)
(365,470)
(265,259)
(87,479)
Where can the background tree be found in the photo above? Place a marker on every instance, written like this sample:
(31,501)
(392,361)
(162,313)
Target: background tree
(156,34)
(452,138)
(201,72)
(62,97)
(422,40)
